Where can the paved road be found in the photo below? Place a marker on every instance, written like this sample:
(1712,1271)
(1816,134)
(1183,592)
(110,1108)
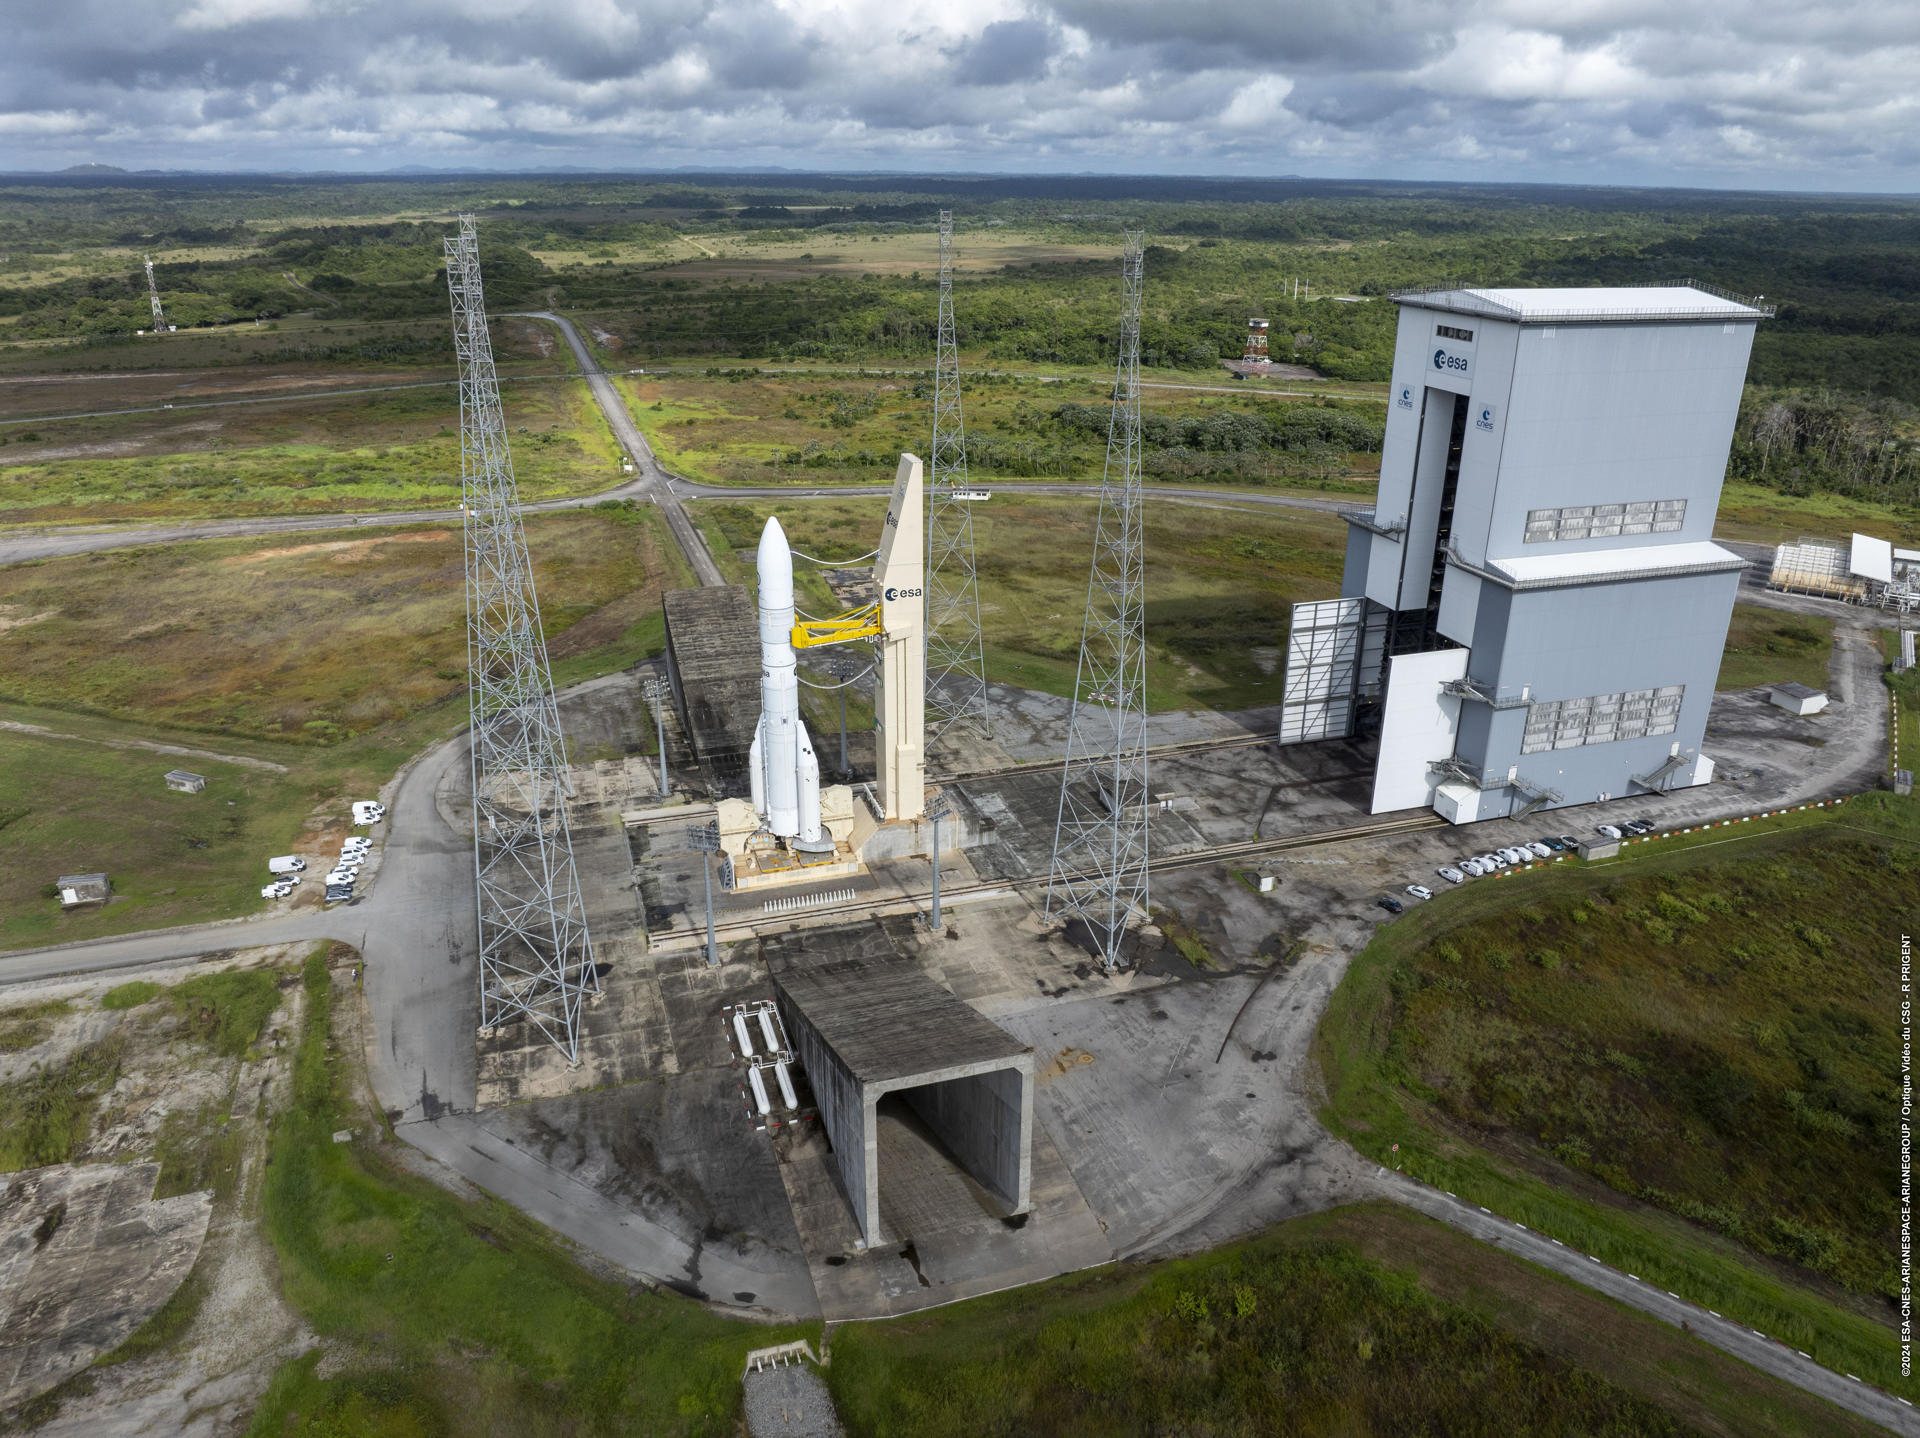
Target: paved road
(653,479)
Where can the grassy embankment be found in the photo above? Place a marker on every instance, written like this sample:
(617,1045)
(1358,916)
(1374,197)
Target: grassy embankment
(1220,582)
(447,1316)
(1366,1319)
(1771,646)
(49,1116)
(357,453)
(335,659)
(1674,1060)
(818,430)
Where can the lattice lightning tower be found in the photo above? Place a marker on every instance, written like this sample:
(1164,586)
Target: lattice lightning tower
(1100,840)
(153,298)
(956,666)
(536,960)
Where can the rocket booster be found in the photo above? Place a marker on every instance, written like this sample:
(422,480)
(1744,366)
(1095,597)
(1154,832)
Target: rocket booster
(783,771)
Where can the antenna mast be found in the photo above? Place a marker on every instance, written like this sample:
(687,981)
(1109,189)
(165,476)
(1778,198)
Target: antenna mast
(956,664)
(153,298)
(536,960)
(1099,871)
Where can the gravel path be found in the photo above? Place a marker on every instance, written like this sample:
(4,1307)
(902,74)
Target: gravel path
(790,1402)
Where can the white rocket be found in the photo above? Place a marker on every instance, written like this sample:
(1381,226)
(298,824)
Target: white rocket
(784,773)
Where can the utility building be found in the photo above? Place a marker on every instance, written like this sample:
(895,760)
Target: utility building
(1533,615)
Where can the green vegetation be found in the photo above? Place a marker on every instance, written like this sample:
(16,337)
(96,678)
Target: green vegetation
(226,1011)
(46,1116)
(1772,646)
(358,453)
(1363,1320)
(1625,1057)
(1220,583)
(130,995)
(402,1283)
(344,657)
(29,1024)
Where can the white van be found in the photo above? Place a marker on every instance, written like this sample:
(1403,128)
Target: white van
(286,864)
(367,811)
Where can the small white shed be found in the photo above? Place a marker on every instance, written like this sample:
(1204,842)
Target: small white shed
(1798,698)
(185,781)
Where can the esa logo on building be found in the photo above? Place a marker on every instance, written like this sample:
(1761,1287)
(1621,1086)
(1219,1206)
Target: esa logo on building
(1452,363)
(893,594)
(1406,397)
(1484,420)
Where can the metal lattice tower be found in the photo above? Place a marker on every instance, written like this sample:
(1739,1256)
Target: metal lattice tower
(1099,871)
(153,298)
(956,665)
(536,960)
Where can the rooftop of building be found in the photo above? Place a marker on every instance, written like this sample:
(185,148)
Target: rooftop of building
(888,1020)
(1793,689)
(1643,561)
(1593,304)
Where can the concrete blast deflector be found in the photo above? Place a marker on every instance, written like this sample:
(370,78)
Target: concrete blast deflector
(864,1030)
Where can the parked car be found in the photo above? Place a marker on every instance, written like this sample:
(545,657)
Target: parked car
(1451,874)
(1608,831)
(276,891)
(1641,826)
(337,892)
(1469,866)
(1539,850)
(286,864)
(1495,860)
(1514,854)
(1390,904)
(1420,891)
(342,876)
(368,811)
(1553,844)
(1570,841)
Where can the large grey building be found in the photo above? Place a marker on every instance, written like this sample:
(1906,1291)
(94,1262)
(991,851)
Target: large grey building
(1534,612)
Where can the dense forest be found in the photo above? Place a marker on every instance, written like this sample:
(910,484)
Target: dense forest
(1836,373)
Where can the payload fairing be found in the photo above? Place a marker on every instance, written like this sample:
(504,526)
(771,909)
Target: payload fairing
(782,768)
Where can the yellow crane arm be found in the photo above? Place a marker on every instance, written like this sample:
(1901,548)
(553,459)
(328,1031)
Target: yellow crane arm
(862,623)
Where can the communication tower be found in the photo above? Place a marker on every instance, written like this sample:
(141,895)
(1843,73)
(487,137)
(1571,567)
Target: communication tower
(956,664)
(153,298)
(536,959)
(1099,871)
(1256,343)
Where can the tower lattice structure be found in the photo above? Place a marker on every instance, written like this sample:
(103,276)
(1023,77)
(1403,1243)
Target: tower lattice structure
(956,663)
(153,298)
(1099,871)
(536,959)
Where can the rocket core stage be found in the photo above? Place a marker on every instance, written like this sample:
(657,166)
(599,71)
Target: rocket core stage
(782,768)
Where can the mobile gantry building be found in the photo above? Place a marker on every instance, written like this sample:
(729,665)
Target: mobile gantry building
(1533,614)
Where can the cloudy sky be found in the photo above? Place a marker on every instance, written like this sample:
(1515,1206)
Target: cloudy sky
(1790,94)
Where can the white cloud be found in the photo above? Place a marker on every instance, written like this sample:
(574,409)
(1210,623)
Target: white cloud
(1663,91)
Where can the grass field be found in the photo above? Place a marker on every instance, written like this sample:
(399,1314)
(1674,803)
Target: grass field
(1219,579)
(1362,1320)
(362,452)
(443,1316)
(739,426)
(1675,1061)
(1771,646)
(328,661)
(1766,516)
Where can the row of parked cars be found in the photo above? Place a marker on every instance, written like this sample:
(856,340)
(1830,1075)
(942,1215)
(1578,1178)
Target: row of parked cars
(288,869)
(1545,847)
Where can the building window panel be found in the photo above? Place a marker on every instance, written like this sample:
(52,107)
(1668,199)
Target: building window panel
(1602,718)
(1605,521)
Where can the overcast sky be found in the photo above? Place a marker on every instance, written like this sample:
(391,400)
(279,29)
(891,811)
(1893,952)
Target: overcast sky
(1790,94)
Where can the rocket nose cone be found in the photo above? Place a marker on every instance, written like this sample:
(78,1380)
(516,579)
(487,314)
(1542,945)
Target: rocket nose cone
(774,564)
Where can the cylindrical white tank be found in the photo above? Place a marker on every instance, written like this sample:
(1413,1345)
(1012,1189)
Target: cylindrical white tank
(786,1084)
(740,1032)
(768,1032)
(759,1090)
